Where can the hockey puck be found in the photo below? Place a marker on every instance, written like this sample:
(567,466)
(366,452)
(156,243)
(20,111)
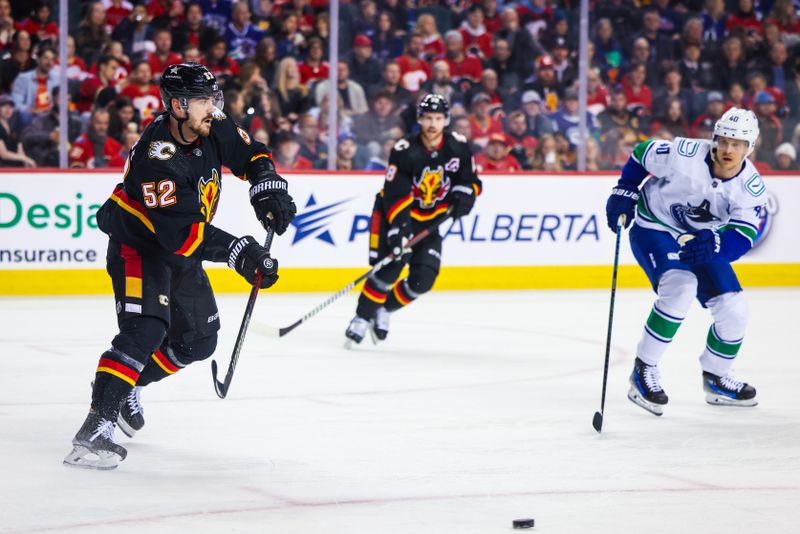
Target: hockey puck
(522,523)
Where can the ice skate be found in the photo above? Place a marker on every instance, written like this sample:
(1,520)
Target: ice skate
(131,413)
(380,325)
(94,447)
(645,388)
(356,331)
(727,391)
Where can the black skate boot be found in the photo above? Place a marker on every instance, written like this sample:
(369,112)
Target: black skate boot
(356,331)
(727,391)
(380,325)
(94,447)
(131,413)
(645,388)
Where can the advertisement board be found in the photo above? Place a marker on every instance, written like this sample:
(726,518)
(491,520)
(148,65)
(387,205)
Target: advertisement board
(525,231)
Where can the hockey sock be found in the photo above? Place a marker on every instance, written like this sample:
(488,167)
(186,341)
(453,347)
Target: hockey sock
(119,368)
(373,296)
(676,290)
(401,296)
(659,330)
(116,375)
(162,364)
(420,280)
(726,334)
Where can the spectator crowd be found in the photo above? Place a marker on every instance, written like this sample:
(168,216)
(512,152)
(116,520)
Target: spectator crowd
(657,68)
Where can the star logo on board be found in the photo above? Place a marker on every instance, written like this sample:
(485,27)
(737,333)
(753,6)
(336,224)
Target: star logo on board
(314,220)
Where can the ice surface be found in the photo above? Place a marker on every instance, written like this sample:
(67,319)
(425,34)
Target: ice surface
(476,411)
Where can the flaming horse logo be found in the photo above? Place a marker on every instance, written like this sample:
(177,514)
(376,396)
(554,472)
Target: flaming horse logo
(431,187)
(208,189)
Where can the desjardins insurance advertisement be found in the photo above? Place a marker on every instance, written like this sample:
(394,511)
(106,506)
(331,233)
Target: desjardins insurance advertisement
(47,221)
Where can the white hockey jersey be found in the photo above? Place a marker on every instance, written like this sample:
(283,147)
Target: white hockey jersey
(682,196)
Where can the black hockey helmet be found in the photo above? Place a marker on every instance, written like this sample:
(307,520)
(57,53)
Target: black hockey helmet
(189,80)
(433,103)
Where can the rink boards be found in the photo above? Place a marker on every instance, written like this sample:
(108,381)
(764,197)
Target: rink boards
(527,231)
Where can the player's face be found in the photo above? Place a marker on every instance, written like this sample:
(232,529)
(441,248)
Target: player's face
(730,152)
(201,114)
(432,124)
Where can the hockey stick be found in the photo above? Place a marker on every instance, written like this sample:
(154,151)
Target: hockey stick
(280,332)
(222,387)
(597,421)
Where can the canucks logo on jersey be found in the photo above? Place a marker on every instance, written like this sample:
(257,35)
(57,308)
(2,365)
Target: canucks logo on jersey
(694,217)
(431,186)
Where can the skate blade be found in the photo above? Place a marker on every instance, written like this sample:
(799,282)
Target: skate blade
(722,400)
(127,429)
(351,342)
(376,339)
(655,409)
(84,458)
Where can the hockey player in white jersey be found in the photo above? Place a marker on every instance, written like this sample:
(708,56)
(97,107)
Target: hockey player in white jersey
(698,211)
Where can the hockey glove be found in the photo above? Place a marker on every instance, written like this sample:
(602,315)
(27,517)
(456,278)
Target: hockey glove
(462,198)
(621,202)
(702,248)
(397,237)
(246,257)
(270,194)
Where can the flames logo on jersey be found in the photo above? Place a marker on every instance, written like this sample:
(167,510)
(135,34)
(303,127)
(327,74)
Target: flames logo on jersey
(209,189)
(431,187)
(695,217)
(244,135)
(162,150)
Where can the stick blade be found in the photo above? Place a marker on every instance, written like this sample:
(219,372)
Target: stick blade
(266,330)
(597,422)
(219,387)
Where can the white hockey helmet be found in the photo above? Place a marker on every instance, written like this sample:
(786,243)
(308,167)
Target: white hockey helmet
(738,124)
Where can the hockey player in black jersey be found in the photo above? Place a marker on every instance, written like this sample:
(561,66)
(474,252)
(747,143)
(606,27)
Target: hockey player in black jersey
(158,221)
(428,173)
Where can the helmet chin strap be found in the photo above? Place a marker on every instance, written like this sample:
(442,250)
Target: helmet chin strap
(180,130)
(181,122)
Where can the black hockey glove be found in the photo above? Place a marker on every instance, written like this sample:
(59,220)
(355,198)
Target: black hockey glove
(270,194)
(462,198)
(621,202)
(397,237)
(699,247)
(246,256)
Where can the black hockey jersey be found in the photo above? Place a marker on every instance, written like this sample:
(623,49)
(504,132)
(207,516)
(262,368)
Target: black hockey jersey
(418,180)
(170,191)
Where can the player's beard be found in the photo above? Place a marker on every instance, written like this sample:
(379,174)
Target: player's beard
(432,136)
(201,128)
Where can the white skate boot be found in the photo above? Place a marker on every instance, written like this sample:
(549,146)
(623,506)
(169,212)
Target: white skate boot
(380,325)
(356,331)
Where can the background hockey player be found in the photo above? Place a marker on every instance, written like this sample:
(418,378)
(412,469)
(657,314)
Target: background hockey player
(707,197)
(428,173)
(159,226)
